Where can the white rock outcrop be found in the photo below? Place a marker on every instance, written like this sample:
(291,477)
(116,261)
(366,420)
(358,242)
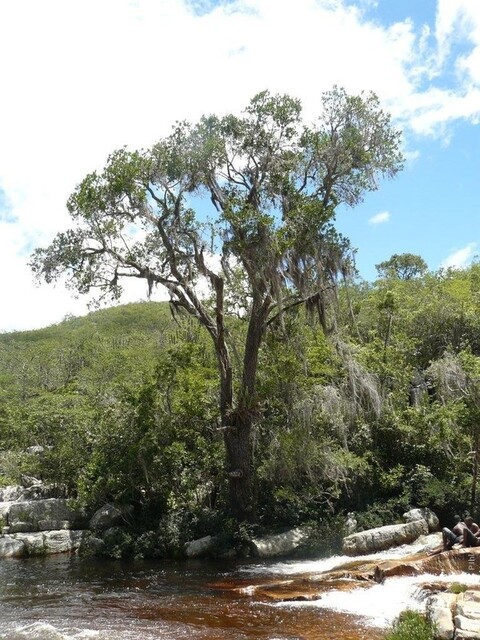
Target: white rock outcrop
(201,547)
(382,538)
(40,525)
(42,515)
(278,545)
(423,513)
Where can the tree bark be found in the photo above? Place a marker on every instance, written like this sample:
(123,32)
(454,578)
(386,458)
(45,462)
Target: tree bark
(238,444)
(238,420)
(476,443)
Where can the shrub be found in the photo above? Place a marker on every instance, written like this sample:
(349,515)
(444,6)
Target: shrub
(411,625)
(457,587)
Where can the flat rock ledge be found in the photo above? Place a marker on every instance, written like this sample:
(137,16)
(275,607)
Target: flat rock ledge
(457,617)
(40,543)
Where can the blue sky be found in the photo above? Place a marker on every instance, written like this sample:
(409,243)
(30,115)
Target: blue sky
(432,207)
(84,77)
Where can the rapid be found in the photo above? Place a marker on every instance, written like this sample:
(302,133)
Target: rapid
(65,598)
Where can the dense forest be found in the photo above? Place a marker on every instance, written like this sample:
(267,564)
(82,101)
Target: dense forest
(372,407)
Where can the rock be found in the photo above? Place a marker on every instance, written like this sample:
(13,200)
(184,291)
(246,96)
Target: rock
(54,525)
(36,450)
(466,635)
(40,543)
(467,624)
(4,510)
(426,514)
(62,541)
(11,493)
(42,492)
(48,512)
(92,546)
(11,547)
(467,616)
(108,516)
(440,613)
(34,490)
(278,545)
(34,544)
(29,481)
(430,541)
(200,547)
(455,561)
(383,538)
(21,527)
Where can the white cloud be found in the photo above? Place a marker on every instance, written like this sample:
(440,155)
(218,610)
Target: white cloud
(380,218)
(87,76)
(460,258)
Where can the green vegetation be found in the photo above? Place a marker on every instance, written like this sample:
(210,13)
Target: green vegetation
(411,625)
(271,185)
(293,393)
(125,404)
(457,587)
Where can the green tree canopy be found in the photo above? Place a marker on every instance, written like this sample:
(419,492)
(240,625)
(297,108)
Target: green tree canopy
(274,184)
(404,266)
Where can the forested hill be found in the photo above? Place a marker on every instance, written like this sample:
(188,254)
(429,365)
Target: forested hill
(147,318)
(374,408)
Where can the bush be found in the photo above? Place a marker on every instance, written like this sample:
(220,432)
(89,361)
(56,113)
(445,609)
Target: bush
(411,625)
(457,587)
(118,543)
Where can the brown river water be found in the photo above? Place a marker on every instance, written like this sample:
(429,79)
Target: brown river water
(63,598)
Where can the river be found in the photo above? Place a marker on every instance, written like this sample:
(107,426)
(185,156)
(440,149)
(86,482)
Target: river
(63,597)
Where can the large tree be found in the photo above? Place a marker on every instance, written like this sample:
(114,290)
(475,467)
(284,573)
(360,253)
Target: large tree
(273,184)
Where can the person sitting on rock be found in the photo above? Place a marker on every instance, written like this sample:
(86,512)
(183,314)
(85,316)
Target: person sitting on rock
(455,535)
(471,533)
(473,526)
(450,536)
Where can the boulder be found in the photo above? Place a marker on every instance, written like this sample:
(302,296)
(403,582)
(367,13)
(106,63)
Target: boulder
(4,510)
(21,527)
(440,613)
(40,543)
(46,514)
(108,516)
(29,481)
(11,493)
(11,547)
(382,538)
(34,543)
(92,546)
(424,513)
(462,623)
(42,492)
(467,616)
(200,547)
(278,545)
(62,541)
(34,490)
(35,450)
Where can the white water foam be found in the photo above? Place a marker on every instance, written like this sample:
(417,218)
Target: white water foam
(380,604)
(328,564)
(45,631)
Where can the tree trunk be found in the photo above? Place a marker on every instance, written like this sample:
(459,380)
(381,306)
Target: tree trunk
(238,444)
(473,498)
